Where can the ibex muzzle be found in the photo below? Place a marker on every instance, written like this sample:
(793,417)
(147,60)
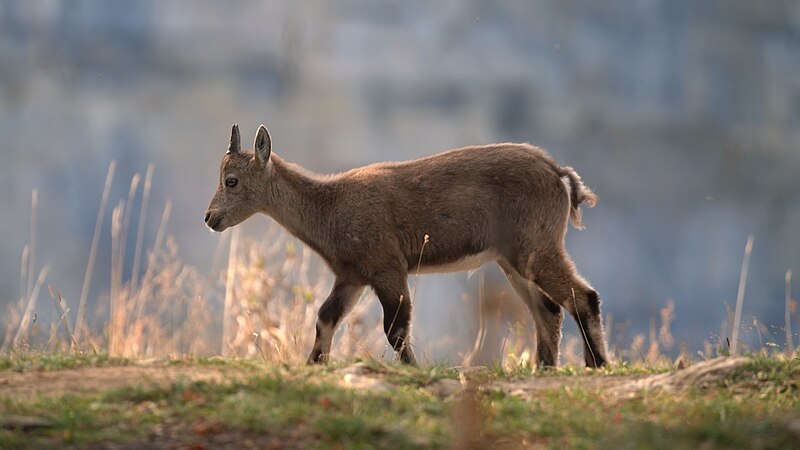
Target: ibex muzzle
(457,210)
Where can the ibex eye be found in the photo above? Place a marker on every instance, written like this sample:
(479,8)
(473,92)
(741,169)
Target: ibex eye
(231,182)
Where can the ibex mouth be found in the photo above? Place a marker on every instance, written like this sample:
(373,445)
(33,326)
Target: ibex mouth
(214,223)
(216,227)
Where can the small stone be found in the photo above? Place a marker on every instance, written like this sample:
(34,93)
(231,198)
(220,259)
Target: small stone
(356,369)
(445,388)
(355,381)
(25,423)
(794,427)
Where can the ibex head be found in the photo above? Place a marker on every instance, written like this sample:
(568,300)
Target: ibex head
(242,181)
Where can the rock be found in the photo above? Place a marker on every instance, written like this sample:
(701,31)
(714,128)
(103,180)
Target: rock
(445,388)
(362,382)
(473,370)
(794,427)
(700,375)
(359,368)
(25,423)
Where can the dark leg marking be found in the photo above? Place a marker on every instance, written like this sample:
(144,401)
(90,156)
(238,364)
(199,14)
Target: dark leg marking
(594,302)
(591,326)
(558,279)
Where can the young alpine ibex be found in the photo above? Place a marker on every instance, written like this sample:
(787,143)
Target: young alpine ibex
(503,203)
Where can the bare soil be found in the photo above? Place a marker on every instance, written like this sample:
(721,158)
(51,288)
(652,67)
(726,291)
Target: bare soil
(94,379)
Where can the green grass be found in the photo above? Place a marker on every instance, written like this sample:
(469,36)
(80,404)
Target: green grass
(23,362)
(613,369)
(301,407)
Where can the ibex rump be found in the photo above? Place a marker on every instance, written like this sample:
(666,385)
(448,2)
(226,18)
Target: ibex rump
(457,210)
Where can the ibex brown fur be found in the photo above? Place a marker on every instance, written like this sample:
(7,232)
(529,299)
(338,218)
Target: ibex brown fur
(503,203)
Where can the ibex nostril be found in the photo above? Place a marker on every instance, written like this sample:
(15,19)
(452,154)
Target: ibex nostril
(207,216)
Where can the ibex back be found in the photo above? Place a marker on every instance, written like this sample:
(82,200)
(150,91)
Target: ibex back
(457,210)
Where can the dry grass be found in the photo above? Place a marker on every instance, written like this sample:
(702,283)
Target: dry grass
(261,304)
(262,301)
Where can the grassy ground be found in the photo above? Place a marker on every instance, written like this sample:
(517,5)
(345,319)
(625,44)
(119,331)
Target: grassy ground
(373,405)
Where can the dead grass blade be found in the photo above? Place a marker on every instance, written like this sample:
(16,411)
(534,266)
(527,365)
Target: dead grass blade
(22,331)
(788,316)
(98,226)
(737,315)
(229,283)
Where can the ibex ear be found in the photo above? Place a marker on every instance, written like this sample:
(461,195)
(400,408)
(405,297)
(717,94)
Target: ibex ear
(263,145)
(236,140)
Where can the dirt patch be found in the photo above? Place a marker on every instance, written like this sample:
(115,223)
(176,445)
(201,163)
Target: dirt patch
(93,379)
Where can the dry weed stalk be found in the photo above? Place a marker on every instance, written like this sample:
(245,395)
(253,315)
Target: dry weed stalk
(737,316)
(469,419)
(140,229)
(87,279)
(23,332)
(230,282)
(32,254)
(62,309)
(480,338)
(788,314)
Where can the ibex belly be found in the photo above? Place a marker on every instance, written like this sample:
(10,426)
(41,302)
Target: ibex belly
(469,262)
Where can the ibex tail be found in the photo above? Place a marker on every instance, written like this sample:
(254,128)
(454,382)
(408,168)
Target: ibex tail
(578,193)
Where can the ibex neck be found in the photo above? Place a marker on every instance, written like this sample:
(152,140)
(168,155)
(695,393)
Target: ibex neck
(301,203)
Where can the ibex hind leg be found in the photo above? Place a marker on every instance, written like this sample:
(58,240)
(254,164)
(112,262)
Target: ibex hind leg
(547,316)
(392,291)
(558,279)
(341,300)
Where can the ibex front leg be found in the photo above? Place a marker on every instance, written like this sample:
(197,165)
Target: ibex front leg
(341,300)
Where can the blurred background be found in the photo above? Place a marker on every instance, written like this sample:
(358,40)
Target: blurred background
(683,116)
